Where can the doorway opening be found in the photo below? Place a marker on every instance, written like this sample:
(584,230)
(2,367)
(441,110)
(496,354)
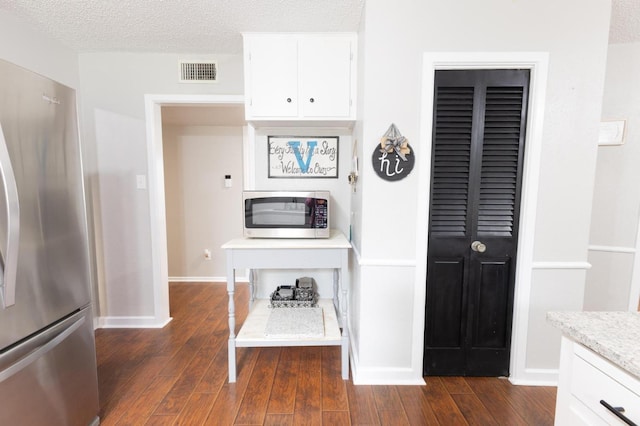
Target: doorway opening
(158,221)
(202,146)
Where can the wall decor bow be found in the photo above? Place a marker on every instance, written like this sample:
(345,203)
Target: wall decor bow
(393,158)
(394,141)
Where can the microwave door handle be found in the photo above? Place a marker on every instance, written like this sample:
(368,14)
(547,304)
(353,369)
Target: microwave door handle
(9,257)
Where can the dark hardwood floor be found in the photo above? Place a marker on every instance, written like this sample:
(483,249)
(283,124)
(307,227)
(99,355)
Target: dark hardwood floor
(178,376)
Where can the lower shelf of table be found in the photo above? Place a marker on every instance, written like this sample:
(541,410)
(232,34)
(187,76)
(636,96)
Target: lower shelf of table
(252,333)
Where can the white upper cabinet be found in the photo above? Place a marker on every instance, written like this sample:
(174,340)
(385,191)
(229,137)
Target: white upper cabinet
(300,76)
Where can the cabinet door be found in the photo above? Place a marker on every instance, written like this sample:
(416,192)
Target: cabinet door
(325,76)
(272,77)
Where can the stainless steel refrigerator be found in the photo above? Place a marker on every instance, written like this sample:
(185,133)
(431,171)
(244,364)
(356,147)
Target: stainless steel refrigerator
(48,372)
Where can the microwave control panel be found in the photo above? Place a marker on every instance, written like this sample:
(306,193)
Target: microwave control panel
(321,214)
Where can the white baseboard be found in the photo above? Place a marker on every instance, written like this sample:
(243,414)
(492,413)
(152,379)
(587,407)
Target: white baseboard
(406,376)
(380,375)
(536,377)
(205,279)
(197,279)
(132,322)
(385,376)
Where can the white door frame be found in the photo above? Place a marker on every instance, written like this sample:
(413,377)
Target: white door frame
(634,290)
(155,164)
(537,62)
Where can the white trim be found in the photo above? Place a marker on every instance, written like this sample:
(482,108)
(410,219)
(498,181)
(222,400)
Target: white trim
(157,219)
(634,290)
(400,263)
(216,280)
(634,287)
(537,377)
(387,262)
(612,249)
(355,251)
(362,261)
(537,62)
(380,376)
(561,265)
(131,322)
(386,376)
(208,280)
(249,157)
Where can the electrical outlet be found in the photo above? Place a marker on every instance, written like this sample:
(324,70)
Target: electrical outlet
(207,254)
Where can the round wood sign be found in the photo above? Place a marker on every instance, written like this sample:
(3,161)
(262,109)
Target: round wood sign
(389,164)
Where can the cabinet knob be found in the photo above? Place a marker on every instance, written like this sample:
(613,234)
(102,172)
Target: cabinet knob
(289,100)
(312,100)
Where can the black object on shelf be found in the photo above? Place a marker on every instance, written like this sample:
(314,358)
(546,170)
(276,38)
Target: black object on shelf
(302,295)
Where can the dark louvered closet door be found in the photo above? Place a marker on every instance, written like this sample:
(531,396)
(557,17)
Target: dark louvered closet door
(478,150)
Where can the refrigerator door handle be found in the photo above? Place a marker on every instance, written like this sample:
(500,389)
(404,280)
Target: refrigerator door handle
(9,261)
(51,340)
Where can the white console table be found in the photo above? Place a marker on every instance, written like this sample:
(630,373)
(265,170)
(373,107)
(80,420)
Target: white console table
(259,253)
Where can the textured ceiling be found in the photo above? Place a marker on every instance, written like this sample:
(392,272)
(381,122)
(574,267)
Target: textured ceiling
(205,26)
(179,25)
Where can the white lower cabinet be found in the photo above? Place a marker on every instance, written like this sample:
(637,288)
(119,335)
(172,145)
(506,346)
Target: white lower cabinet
(587,382)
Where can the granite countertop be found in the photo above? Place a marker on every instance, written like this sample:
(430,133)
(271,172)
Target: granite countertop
(614,335)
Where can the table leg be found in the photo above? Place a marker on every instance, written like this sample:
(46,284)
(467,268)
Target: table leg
(231,285)
(336,294)
(252,287)
(340,295)
(345,357)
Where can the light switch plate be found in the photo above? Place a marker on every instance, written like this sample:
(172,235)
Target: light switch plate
(611,132)
(141,181)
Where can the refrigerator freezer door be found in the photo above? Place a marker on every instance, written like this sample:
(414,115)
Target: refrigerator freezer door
(50,379)
(39,124)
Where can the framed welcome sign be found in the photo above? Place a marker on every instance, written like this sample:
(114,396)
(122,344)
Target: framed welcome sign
(303,156)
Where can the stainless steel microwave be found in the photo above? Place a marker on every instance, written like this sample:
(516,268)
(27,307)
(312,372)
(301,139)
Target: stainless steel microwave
(286,214)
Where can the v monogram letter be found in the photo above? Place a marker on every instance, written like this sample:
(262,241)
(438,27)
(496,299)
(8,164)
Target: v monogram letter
(295,146)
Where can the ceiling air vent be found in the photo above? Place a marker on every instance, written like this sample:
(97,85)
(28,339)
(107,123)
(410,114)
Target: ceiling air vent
(198,72)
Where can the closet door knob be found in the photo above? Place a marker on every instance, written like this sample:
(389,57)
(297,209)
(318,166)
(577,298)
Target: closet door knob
(478,246)
(312,100)
(289,100)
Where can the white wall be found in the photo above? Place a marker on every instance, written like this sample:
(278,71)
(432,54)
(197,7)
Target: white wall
(616,202)
(27,47)
(340,197)
(201,211)
(122,219)
(115,84)
(401,32)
